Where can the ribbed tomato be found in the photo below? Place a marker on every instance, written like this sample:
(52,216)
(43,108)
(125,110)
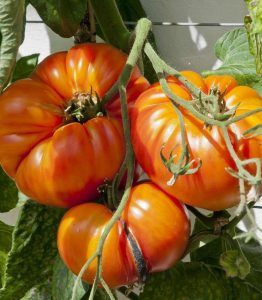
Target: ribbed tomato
(155,124)
(56,141)
(154,220)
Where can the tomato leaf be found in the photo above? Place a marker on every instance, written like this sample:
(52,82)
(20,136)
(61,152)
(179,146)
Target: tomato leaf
(41,292)
(210,254)
(12,20)
(253,253)
(25,66)
(194,281)
(132,11)
(235,264)
(62,16)
(30,261)
(5,246)
(63,282)
(233,50)
(8,192)
(100,295)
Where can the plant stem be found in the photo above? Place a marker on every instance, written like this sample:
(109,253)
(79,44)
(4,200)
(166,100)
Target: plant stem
(113,28)
(80,275)
(237,219)
(161,67)
(206,221)
(205,235)
(142,29)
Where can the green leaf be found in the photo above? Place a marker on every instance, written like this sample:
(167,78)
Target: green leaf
(8,192)
(187,281)
(233,50)
(235,264)
(5,237)
(253,253)
(195,281)
(210,255)
(3,257)
(100,295)
(41,292)
(132,11)
(30,261)
(12,20)
(62,16)
(63,282)
(25,66)
(5,246)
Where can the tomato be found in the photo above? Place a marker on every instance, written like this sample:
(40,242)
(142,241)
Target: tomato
(53,157)
(155,124)
(156,221)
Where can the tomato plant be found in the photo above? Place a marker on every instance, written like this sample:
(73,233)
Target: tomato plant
(155,127)
(156,223)
(56,141)
(65,130)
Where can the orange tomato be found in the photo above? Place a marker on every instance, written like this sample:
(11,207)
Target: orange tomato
(155,124)
(157,222)
(54,161)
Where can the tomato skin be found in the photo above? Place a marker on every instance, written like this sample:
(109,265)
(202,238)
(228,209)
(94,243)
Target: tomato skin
(157,221)
(192,77)
(57,163)
(154,123)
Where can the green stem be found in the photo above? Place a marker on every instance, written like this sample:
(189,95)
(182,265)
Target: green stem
(107,289)
(233,152)
(232,224)
(12,23)
(195,239)
(161,67)
(143,28)
(206,221)
(116,183)
(113,28)
(81,273)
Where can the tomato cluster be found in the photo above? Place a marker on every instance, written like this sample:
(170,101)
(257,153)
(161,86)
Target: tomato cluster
(60,143)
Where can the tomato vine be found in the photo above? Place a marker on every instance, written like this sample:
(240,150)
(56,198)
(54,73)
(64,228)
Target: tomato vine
(220,227)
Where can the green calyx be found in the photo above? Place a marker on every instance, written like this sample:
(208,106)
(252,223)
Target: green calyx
(83,107)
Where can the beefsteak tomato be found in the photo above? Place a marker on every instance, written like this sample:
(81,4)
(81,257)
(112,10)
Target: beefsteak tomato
(156,222)
(154,124)
(56,141)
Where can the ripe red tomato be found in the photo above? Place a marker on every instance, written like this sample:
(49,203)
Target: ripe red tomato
(155,123)
(158,224)
(54,160)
